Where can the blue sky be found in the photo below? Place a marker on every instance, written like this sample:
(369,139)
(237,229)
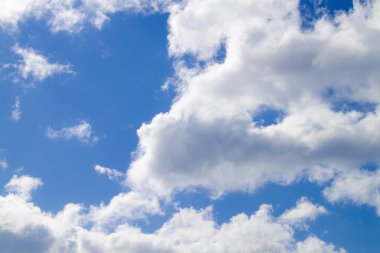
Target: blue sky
(166,125)
(116,88)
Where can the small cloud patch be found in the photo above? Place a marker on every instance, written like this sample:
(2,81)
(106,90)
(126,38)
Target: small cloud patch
(82,132)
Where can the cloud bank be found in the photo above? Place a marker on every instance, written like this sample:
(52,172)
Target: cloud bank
(26,228)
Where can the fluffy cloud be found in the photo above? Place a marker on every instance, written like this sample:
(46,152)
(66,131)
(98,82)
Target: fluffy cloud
(304,210)
(26,228)
(65,16)
(62,15)
(318,79)
(360,187)
(124,207)
(112,174)
(71,15)
(36,66)
(82,132)
(270,62)
(22,186)
(12,12)
(192,230)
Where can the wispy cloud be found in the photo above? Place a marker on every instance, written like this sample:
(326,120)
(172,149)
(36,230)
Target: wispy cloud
(3,164)
(36,66)
(112,174)
(82,132)
(16,110)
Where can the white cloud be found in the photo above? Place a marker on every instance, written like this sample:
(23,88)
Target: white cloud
(82,132)
(124,207)
(360,187)
(209,134)
(15,11)
(70,15)
(65,16)
(321,174)
(62,15)
(16,110)
(36,66)
(304,211)
(209,138)
(22,186)
(112,174)
(26,228)
(315,245)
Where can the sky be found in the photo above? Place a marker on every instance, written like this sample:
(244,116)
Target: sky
(162,126)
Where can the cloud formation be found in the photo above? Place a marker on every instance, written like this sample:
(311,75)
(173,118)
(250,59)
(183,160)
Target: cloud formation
(26,228)
(36,66)
(319,81)
(303,211)
(112,174)
(360,187)
(82,132)
(71,15)
(22,186)
(210,135)
(16,110)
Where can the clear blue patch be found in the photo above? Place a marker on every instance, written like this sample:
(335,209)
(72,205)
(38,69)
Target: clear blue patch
(312,10)
(348,106)
(370,166)
(340,104)
(191,61)
(268,116)
(221,53)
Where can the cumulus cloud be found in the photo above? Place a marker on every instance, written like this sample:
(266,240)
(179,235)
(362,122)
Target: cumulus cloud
(124,207)
(82,132)
(360,187)
(112,174)
(12,12)
(26,228)
(23,186)
(304,211)
(315,245)
(36,66)
(210,135)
